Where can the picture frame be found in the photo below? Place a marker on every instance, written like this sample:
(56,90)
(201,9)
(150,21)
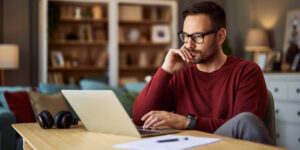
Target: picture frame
(261,59)
(161,34)
(57,59)
(273,60)
(291,37)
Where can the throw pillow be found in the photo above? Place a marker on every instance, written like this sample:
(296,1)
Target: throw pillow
(19,104)
(53,103)
(135,87)
(10,89)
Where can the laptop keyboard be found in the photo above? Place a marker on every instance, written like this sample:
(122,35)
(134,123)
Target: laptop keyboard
(143,131)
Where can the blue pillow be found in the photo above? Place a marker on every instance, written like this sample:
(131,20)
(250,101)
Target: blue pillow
(93,85)
(10,89)
(135,87)
(46,88)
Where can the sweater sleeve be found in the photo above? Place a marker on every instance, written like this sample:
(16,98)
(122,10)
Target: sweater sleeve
(252,93)
(251,96)
(157,95)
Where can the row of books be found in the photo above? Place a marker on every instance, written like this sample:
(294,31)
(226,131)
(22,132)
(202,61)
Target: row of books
(56,78)
(57,59)
(143,59)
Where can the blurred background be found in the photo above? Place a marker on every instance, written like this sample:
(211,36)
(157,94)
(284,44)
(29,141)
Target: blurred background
(72,26)
(49,45)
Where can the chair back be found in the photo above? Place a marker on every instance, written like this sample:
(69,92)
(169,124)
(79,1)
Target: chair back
(269,119)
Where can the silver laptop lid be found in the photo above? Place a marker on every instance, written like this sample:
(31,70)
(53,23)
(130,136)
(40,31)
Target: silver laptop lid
(101,111)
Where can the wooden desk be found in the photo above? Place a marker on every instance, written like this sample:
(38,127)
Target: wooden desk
(77,137)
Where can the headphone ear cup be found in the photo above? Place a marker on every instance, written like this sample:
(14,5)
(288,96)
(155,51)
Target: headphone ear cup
(67,120)
(58,119)
(45,119)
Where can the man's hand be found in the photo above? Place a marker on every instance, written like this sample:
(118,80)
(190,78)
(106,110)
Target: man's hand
(166,119)
(176,60)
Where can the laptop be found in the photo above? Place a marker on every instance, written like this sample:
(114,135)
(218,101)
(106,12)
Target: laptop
(101,111)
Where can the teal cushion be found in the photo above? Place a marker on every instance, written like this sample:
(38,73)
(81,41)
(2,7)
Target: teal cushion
(135,87)
(46,88)
(86,84)
(103,79)
(10,89)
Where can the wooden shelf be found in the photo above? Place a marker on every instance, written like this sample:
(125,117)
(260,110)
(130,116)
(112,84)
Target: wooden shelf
(143,22)
(79,68)
(144,44)
(78,43)
(84,20)
(138,68)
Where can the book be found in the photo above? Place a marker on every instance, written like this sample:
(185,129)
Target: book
(123,58)
(58,78)
(89,33)
(102,60)
(50,78)
(81,32)
(143,59)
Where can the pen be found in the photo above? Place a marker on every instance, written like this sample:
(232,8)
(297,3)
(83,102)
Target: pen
(170,140)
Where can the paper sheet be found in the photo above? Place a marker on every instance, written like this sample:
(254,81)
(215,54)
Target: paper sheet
(153,144)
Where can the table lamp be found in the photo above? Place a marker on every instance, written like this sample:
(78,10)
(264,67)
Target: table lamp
(9,58)
(257,41)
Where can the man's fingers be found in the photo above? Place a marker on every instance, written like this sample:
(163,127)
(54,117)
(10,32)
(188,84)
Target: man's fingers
(147,115)
(148,120)
(187,53)
(182,55)
(151,122)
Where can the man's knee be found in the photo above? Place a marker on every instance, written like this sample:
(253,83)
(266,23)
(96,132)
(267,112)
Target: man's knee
(247,117)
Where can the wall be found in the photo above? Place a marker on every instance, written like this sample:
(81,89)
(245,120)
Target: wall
(19,26)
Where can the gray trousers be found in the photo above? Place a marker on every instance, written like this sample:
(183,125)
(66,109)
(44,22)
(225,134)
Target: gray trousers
(246,126)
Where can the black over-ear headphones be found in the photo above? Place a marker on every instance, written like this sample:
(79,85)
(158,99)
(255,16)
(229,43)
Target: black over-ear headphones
(62,119)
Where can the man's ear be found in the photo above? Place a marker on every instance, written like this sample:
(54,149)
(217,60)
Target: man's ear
(221,36)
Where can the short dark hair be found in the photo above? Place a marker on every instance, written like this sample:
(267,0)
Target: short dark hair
(214,10)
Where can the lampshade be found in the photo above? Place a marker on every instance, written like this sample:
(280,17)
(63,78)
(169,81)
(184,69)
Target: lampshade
(9,56)
(257,40)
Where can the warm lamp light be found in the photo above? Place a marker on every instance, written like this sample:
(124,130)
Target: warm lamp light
(9,58)
(257,41)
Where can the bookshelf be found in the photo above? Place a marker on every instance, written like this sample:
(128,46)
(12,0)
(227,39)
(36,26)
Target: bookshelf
(77,40)
(126,43)
(141,53)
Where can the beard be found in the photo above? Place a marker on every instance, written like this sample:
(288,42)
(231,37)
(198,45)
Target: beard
(198,57)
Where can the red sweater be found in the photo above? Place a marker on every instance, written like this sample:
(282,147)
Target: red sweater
(238,86)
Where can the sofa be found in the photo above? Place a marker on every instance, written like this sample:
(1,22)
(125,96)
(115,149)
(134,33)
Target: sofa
(9,140)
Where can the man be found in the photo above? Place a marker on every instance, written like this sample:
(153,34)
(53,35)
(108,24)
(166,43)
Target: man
(199,87)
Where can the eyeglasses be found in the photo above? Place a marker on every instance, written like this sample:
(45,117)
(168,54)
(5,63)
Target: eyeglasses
(196,37)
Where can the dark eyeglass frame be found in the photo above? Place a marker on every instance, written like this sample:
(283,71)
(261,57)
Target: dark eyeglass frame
(198,34)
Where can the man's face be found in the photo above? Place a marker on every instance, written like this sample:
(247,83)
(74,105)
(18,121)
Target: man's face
(204,52)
